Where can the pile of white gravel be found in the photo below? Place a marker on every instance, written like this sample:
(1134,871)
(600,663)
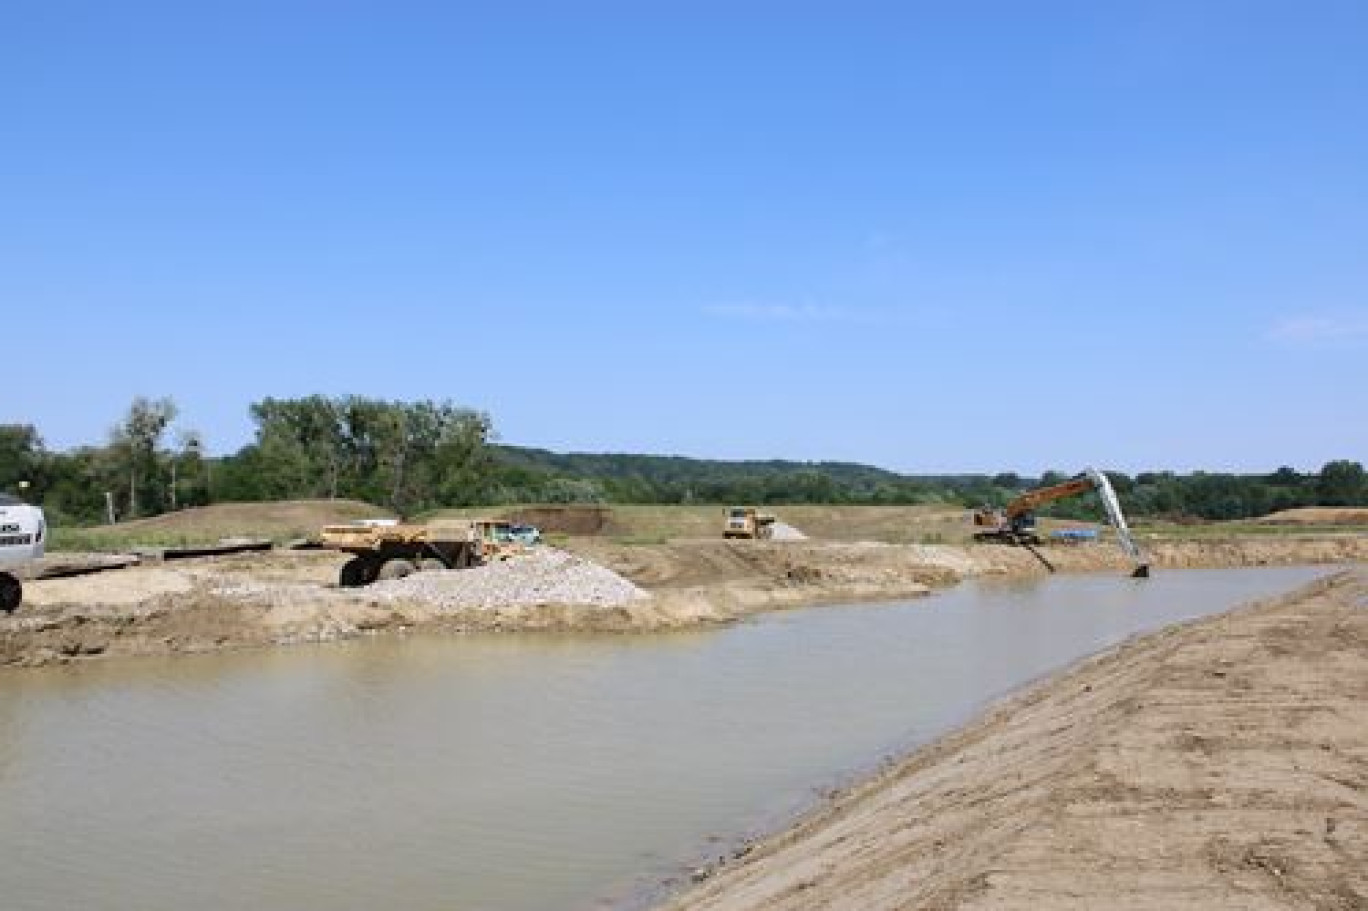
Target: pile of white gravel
(543,576)
(782,531)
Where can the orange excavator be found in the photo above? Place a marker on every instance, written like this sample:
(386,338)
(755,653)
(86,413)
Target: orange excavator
(1016,522)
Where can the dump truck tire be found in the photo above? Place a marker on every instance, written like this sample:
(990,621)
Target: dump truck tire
(355,573)
(11,593)
(431,564)
(350,573)
(396,569)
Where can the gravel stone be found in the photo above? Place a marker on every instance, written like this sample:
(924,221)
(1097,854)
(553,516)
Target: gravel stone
(542,576)
(782,531)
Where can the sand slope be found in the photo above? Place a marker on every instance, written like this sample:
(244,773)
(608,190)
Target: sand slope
(1222,764)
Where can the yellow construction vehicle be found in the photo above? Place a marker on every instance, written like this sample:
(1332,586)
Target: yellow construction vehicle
(748,522)
(1016,522)
(386,549)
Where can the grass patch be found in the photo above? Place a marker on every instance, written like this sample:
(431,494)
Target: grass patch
(117,540)
(1166,532)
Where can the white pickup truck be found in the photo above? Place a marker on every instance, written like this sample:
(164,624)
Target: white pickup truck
(22,530)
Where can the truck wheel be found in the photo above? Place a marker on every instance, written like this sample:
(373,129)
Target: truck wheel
(396,569)
(430,564)
(354,573)
(11,593)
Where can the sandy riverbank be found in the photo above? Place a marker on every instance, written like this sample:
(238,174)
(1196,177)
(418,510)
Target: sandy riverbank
(1217,764)
(288,597)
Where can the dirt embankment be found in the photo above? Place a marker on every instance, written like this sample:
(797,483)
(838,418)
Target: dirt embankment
(288,597)
(1220,764)
(1317,515)
(278,519)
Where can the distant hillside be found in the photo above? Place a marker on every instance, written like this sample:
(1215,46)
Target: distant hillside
(624,477)
(679,468)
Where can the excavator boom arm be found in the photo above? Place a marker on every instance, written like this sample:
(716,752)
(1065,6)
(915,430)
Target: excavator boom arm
(1033,499)
(1118,520)
(1090,478)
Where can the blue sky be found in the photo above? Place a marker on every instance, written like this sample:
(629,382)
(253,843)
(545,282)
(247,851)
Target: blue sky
(933,237)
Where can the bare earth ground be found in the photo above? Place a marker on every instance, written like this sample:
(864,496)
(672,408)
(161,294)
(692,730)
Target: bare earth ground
(280,521)
(1312,515)
(287,597)
(1221,764)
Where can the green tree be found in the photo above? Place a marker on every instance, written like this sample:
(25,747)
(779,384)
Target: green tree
(1342,483)
(75,483)
(134,444)
(407,455)
(300,449)
(189,480)
(21,458)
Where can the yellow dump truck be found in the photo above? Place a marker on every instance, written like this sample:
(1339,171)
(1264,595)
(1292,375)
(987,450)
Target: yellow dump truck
(386,549)
(748,522)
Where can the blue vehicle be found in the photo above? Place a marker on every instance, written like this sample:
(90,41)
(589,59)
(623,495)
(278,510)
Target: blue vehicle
(1074,535)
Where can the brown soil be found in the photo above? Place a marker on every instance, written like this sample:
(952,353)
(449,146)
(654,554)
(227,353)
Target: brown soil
(563,520)
(1219,764)
(1319,515)
(286,597)
(278,520)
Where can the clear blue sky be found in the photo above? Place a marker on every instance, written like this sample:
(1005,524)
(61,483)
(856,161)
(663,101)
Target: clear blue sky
(933,237)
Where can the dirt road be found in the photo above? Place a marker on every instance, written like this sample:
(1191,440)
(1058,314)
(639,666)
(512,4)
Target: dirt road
(1220,764)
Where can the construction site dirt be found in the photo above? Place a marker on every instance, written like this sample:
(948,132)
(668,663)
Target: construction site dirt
(591,584)
(1216,764)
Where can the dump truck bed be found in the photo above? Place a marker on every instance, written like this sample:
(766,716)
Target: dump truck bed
(359,537)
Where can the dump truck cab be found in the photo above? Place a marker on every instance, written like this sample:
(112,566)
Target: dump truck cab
(747,522)
(496,539)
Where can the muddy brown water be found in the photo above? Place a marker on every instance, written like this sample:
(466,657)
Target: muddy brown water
(508,772)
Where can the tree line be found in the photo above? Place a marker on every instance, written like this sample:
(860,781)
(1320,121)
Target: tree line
(416,456)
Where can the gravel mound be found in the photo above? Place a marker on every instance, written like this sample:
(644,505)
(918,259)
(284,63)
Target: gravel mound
(543,576)
(782,531)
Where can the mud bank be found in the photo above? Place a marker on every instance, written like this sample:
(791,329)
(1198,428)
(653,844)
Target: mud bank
(290,597)
(1217,764)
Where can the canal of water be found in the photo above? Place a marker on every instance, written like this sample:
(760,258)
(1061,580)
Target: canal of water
(508,772)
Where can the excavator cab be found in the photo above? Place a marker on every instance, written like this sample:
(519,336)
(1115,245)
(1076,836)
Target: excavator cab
(1005,528)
